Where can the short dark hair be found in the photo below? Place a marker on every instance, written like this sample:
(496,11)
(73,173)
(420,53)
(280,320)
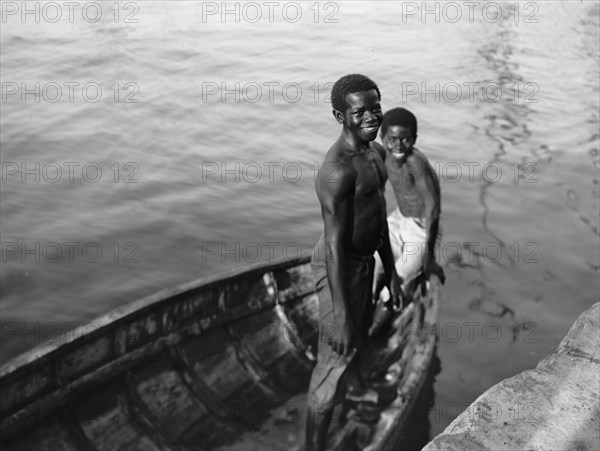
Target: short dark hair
(399,116)
(349,84)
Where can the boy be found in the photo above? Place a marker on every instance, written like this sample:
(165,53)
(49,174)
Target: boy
(414,224)
(350,186)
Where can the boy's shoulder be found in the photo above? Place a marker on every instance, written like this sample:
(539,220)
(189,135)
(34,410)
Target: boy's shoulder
(379,149)
(337,162)
(418,156)
(420,162)
(423,164)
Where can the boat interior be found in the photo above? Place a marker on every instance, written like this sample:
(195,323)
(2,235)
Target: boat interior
(216,364)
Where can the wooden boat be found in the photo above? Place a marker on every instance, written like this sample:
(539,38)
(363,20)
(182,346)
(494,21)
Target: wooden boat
(216,364)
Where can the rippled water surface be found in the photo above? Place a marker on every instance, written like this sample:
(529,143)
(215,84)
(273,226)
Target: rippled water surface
(518,163)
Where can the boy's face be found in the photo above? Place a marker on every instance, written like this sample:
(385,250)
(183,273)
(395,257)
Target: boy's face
(399,141)
(363,115)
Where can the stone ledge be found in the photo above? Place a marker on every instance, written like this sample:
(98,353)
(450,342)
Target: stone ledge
(554,407)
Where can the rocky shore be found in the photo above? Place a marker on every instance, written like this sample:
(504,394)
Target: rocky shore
(555,406)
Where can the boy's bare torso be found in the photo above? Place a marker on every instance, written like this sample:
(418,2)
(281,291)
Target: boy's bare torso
(363,232)
(409,200)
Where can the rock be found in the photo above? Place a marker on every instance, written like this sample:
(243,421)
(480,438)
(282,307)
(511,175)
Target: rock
(553,407)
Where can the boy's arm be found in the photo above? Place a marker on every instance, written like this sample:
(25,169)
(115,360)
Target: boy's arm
(335,195)
(425,184)
(391,278)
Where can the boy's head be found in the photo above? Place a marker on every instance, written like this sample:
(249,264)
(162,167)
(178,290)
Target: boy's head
(399,132)
(356,103)
(349,84)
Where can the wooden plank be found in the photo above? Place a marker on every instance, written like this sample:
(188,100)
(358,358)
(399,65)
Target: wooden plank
(294,282)
(47,435)
(146,418)
(225,385)
(83,359)
(135,337)
(107,419)
(270,354)
(164,393)
(303,316)
(191,291)
(224,423)
(284,430)
(19,391)
(394,417)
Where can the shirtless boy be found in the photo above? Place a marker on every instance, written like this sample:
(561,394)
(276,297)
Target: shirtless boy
(349,186)
(414,224)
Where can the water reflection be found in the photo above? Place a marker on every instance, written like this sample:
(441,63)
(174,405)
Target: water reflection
(506,137)
(507,122)
(417,431)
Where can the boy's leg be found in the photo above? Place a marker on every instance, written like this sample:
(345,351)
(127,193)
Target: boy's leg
(412,236)
(327,385)
(324,389)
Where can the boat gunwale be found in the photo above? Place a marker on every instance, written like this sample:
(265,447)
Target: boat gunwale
(115,317)
(398,409)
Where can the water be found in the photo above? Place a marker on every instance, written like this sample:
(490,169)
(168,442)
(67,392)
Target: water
(519,175)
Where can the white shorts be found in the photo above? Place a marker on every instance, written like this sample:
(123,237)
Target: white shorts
(408,238)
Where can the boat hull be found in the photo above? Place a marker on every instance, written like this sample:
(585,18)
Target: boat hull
(220,363)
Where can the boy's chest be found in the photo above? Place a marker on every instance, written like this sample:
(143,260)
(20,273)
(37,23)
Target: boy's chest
(402,178)
(371,173)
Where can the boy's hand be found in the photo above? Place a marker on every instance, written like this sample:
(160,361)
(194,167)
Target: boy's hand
(397,296)
(340,337)
(432,267)
(421,282)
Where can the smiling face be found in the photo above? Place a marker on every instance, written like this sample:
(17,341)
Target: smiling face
(363,115)
(398,141)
